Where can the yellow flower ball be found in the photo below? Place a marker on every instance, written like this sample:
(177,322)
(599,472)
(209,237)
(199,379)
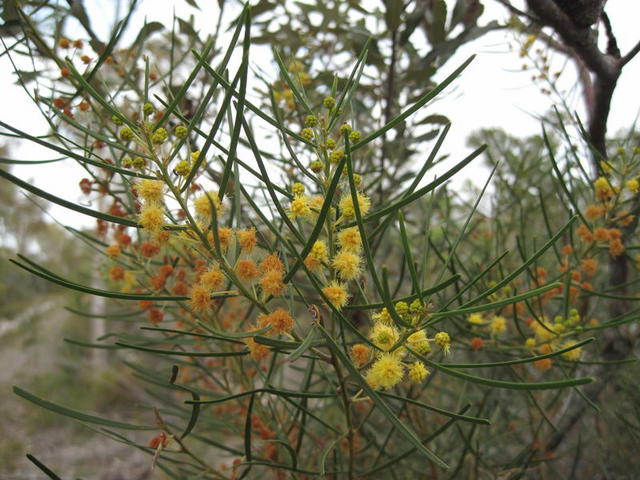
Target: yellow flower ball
(349,240)
(300,207)
(348,265)
(151,191)
(498,325)
(418,372)
(386,372)
(152,217)
(347,207)
(336,294)
(384,336)
(419,342)
(203,204)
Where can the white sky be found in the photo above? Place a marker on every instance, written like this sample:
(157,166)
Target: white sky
(492,92)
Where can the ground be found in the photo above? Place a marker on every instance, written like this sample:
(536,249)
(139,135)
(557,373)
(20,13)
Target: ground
(34,357)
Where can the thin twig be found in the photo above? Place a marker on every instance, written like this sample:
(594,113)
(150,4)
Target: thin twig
(612,43)
(517,11)
(629,56)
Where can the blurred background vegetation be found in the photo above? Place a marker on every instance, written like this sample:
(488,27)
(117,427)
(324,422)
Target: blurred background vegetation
(410,44)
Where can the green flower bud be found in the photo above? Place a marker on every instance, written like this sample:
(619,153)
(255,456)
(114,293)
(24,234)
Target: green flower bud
(354,136)
(316,166)
(416,306)
(126,134)
(148,109)
(402,309)
(181,131)
(183,168)
(329,103)
(139,163)
(331,143)
(336,156)
(307,134)
(116,119)
(311,121)
(345,128)
(297,189)
(159,136)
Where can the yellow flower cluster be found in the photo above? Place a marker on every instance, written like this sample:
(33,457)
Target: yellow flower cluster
(152,212)
(337,294)
(347,207)
(203,204)
(393,344)
(151,191)
(151,217)
(386,372)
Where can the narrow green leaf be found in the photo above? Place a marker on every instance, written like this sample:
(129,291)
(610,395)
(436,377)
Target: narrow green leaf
(325,453)
(371,266)
(201,62)
(408,299)
(277,115)
(86,86)
(105,315)
(628,298)
(565,189)
(193,334)
(195,407)
(424,190)
(412,450)
(29,162)
(91,345)
(257,110)
(292,85)
(304,346)
(406,247)
(43,467)
(104,293)
(434,118)
(452,249)
(273,391)
(415,107)
(457,416)
(209,140)
(71,154)
(83,417)
(263,170)
(247,429)
(119,30)
(522,267)
(235,134)
(475,280)
(146,31)
(493,305)
(352,82)
(520,360)
(502,383)
(220,147)
(252,333)
(180,352)
(65,203)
